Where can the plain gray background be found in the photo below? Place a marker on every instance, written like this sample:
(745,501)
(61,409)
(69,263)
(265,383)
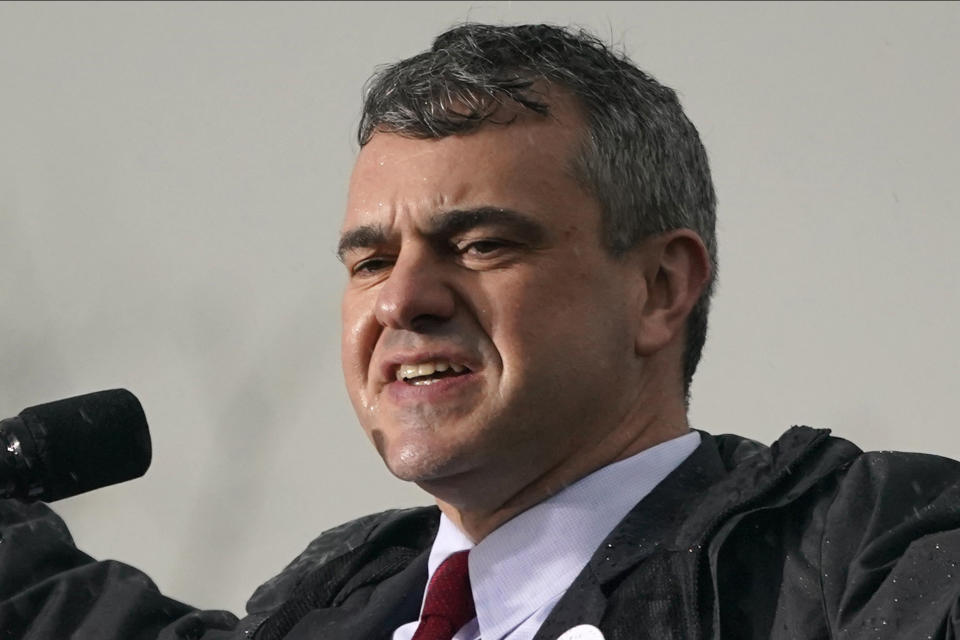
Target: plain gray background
(172,178)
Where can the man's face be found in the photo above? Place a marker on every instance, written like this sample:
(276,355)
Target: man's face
(486,331)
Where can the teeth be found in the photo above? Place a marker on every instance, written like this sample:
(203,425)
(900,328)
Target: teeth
(406,371)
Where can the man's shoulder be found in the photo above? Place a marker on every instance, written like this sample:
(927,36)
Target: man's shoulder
(416,526)
(825,486)
(812,532)
(892,490)
(806,463)
(801,445)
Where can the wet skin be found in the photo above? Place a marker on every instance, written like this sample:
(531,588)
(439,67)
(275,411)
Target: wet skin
(484,251)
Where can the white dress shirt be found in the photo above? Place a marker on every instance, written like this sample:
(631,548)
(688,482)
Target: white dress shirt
(520,570)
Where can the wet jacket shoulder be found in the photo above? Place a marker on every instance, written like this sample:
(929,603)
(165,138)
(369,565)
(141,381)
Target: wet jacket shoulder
(813,538)
(50,590)
(340,567)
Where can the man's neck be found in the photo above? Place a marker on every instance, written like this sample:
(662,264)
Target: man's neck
(477,519)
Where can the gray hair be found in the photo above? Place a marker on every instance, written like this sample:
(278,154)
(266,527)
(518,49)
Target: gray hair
(642,158)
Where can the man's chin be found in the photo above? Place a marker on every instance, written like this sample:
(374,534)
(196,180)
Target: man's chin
(419,464)
(411,461)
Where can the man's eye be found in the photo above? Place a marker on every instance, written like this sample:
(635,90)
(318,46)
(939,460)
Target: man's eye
(370,266)
(479,248)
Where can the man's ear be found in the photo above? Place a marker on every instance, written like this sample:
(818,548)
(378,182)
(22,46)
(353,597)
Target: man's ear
(676,269)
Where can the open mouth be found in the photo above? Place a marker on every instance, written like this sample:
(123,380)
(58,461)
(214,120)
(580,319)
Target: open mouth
(426,373)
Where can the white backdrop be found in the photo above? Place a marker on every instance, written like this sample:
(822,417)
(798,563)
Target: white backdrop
(172,178)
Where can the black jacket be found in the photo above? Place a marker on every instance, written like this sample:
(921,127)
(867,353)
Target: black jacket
(809,538)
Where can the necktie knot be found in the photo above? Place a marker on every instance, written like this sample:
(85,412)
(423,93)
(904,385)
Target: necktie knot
(449,602)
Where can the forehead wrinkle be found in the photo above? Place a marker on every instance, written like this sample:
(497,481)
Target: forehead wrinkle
(381,232)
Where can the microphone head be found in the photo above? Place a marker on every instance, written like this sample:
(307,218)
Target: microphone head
(89,441)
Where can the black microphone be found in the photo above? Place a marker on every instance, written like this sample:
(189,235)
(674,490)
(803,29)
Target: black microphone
(62,448)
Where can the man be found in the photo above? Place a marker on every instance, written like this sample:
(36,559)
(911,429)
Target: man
(529,240)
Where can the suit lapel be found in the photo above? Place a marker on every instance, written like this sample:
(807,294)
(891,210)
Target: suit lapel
(647,576)
(652,525)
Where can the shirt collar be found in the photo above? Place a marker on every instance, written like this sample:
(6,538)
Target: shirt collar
(533,558)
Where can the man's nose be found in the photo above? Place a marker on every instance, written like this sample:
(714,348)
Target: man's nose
(415,294)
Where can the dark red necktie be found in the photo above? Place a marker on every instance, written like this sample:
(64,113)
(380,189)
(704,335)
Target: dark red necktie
(449,602)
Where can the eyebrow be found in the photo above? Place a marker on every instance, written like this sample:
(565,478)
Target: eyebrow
(449,223)
(360,238)
(446,224)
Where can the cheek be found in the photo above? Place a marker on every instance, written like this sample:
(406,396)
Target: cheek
(527,328)
(567,322)
(358,332)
